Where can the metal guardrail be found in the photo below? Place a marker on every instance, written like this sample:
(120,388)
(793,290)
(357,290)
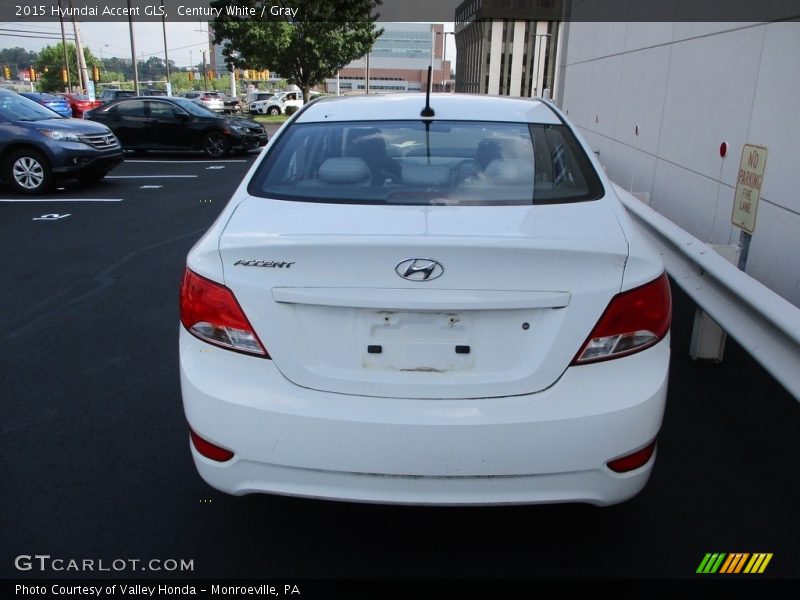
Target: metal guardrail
(763,323)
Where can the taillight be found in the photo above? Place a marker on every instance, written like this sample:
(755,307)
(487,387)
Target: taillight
(634,320)
(210,450)
(209,311)
(634,460)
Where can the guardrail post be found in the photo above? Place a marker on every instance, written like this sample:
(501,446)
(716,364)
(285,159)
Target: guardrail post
(708,338)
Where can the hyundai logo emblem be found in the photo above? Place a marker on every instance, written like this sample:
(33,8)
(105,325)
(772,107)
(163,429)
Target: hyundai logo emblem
(419,269)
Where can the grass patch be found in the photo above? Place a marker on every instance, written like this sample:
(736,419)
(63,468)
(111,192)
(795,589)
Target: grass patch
(269,118)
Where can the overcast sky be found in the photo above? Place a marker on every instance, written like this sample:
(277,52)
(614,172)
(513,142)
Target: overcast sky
(185,41)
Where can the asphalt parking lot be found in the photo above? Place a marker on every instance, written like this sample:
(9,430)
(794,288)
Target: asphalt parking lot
(95,457)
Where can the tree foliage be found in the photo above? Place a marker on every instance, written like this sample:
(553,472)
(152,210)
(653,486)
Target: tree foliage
(321,38)
(51,61)
(17,58)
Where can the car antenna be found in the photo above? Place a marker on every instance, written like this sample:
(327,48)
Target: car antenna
(428,111)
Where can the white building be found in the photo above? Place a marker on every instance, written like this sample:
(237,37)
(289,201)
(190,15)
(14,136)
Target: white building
(656,100)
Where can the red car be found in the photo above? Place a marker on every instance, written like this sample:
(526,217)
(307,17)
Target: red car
(80,103)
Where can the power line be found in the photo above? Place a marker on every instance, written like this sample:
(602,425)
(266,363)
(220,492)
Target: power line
(35,37)
(48,33)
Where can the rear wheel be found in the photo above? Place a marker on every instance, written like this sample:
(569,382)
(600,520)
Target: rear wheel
(274,110)
(215,145)
(29,172)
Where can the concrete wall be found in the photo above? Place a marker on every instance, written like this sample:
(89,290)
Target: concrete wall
(689,87)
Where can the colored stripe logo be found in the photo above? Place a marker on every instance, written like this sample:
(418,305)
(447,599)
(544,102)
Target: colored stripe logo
(735,562)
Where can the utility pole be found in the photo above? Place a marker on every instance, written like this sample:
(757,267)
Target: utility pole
(77,52)
(166,55)
(133,51)
(66,56)
(82,70)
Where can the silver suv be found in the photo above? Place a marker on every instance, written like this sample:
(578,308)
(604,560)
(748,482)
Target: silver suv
(211,100)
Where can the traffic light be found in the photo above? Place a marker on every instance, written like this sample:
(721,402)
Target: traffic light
(191,75)
(96,73)
(211,75)
(64,77)
(32,73)
(6,72)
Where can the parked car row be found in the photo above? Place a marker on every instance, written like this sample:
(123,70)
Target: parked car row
(169,123)
(39,145)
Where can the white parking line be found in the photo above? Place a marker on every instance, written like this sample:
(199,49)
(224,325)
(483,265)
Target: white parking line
(168,162)
(60,199)
(150,187)
(151,176)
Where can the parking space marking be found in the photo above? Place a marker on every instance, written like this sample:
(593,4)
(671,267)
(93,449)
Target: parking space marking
(51,217)
(215,167)
(150,176)
(168,162)
(150,187)
(60,199)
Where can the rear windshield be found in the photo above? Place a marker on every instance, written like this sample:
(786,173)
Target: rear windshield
(427,163)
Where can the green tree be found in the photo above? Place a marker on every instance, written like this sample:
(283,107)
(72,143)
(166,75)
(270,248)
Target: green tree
(51,61)
(322,38)
(17,58)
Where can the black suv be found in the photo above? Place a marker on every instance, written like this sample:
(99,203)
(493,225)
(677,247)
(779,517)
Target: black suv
(37,146)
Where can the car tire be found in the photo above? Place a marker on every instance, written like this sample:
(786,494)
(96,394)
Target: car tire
(215,145)
(274,111)
(29,172)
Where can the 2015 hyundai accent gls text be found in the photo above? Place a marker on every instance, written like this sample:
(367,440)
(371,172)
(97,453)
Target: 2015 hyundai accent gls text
(425,305)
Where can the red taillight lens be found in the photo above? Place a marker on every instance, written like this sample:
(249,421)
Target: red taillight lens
(634,320)
(210,312)
(210,450)
(633,461)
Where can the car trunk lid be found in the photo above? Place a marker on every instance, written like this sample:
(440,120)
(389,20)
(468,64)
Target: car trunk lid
(517,291)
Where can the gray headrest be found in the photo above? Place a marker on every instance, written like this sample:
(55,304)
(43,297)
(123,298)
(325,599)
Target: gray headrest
(344,170)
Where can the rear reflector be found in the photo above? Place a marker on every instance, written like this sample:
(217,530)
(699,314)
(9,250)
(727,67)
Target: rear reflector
(210,450)
(634,320)
(633,461)
(210,312)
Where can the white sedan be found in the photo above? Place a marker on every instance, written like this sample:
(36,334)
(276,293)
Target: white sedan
(425,307)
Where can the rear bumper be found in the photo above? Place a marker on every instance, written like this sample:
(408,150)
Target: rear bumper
(552,446)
